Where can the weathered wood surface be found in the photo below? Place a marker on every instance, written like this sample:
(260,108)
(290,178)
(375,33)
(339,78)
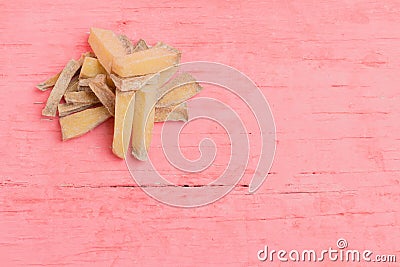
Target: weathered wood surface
(329,69)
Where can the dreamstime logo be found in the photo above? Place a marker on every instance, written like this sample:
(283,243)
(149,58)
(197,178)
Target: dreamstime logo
(342,243)
(342,254)
(155,185)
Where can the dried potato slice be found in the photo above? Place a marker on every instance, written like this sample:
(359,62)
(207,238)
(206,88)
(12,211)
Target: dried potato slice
(79,123)
(171,113)
(103,92)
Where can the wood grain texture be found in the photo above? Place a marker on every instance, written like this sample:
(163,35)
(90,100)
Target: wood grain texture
(329,69)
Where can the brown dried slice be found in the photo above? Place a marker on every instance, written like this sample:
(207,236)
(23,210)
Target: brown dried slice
(127,44)
(84,89)
(81,97)
(73,85)
(103,92)
(65,109)
(178,90)
(65,82)
(146,61)
(106,46)
(140,46)
(59,88)
(110,83)
(172,113)
(131,83)
(136,83)
(50,82)
(79,123)
(84,82)
(124,107)
(86,54)
(143,121)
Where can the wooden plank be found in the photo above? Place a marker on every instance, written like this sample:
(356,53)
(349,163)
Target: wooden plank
(329,70)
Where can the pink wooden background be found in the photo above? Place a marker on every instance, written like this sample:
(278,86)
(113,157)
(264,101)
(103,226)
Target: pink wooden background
(329,69)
